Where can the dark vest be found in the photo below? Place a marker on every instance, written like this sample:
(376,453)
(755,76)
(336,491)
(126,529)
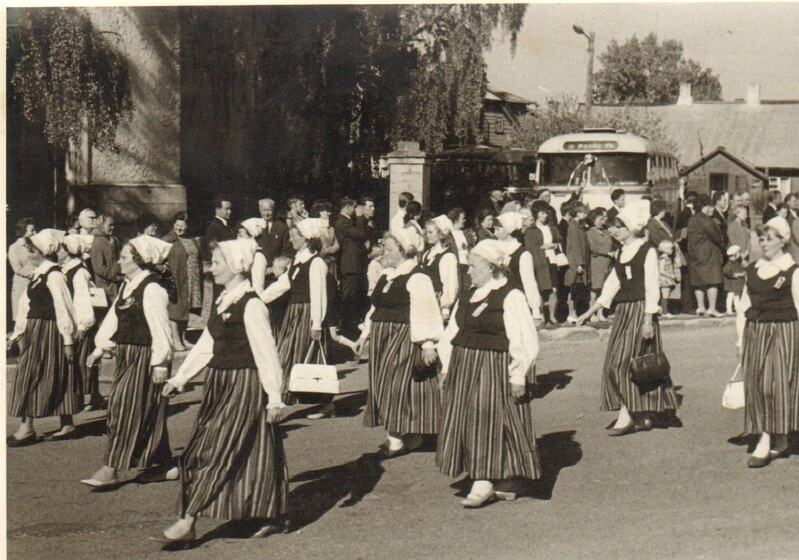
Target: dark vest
(486,331)
(433,270)
(632,289)
(300,277)
(41,300)
(231,345)
(71,278)
(392,301)
(771,298)
(514,269)
(132,326)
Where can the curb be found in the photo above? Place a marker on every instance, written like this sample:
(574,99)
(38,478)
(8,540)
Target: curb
(591,332)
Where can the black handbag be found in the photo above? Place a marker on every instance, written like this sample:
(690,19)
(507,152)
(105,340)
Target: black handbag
(650,367)
(423,372)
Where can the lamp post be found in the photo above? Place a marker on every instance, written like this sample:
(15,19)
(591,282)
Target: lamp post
(589,77)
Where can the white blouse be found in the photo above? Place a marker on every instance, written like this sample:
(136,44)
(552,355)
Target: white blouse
(154,302)
(262,345)
(519,326)
(373,273)
(767,269)
(427,326)
(448,272)
(547,234)
(62,302)
(318,286)
(81,299)
(612,285)
(258,273)
(463,246)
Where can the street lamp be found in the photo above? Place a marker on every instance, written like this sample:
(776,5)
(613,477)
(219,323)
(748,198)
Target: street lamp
(589,77)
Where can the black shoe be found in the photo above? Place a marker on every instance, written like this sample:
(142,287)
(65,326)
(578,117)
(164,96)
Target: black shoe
(31,438)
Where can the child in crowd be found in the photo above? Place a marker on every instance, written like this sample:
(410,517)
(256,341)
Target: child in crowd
(668,276)
(734,275)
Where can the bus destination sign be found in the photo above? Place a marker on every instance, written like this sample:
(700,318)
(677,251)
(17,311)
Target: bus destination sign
(588,146)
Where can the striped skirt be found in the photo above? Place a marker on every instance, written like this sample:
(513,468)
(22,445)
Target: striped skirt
(90,376)
(136,421)
(233,466)
(46,383)
(626,343)
(294,341)
(395,401)
(770,368)
(485,433)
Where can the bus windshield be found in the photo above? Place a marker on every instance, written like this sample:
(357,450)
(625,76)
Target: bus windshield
(606,170)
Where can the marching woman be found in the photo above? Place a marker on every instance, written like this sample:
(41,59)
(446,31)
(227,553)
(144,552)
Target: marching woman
(306,283)
(233,466)
(489,345)
(137,326)
(633,285)
(78,278)
(403,325)
(440,263)
(521,273)
(252,228)
(46,382)
(768,336)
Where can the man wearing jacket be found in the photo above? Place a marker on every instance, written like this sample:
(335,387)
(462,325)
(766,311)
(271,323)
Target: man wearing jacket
(352,234)
(104,254)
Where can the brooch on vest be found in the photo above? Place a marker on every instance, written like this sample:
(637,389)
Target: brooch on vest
(225,316)
(780,281)
(128,302)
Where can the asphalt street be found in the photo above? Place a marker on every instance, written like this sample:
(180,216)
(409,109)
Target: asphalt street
(674,492)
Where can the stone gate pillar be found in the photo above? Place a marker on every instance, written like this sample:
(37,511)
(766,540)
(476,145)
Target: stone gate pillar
(409,170)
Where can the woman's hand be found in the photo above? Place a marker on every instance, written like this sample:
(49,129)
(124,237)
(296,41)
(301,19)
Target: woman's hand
(274,415)
(582,319)
(445,314)
(69,351)
(442,379)
(316,335)
(168,390)
(518,391)
(10,344)
(539,322)
(648,331)
(93,358)
(159,375)
(429,356)
(79,334)
(359,344)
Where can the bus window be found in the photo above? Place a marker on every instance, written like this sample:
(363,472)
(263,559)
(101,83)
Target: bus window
(609,169)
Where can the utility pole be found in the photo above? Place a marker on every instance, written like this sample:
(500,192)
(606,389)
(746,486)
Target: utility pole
(589,77)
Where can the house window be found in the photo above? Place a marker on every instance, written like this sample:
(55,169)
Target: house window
(719,181)
(499,126)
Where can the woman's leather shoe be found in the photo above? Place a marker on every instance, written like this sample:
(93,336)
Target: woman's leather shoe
(758,462)
(780,453)
(11,441)
(474,501)
(628,429)
(388,453)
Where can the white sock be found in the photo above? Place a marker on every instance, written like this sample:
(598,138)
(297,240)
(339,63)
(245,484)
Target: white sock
(481,487)
(394,443)
(763,446)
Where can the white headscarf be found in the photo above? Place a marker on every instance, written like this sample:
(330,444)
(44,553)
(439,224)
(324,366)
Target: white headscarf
(311,228)
(254,226)
(511,221)
(781,226)
(443,223)
(493,251)
(635,215)
(151,249)
(78,243)
(48,240)
(239,254)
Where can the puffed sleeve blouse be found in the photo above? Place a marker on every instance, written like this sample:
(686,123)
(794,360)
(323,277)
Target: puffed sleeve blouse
(62,302)
(612,285)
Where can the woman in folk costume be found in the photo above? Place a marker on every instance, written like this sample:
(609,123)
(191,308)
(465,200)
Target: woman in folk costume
(633,285)
(306,283)
(403,325)
(79,279)
(768,336)
(253,227)
(233,466)
(521,273)
(137,327)
(440,263)
(46,382)
(489,345)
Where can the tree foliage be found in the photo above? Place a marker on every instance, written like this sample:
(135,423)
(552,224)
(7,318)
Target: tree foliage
(69,74)
(563,115)
(648,71)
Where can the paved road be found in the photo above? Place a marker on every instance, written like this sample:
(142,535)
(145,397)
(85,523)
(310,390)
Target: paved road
(670,493)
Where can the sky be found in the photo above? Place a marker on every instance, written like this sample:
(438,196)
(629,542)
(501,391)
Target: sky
(743,43)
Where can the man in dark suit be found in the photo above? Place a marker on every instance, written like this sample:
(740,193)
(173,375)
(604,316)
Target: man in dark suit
(218,230)
(619,199)
(104,255)
(274,240)
(774,198)
(352,234)
(721,202)
(493,202)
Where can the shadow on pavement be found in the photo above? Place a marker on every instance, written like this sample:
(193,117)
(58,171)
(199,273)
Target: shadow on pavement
(548,382)
(347,406)
(324,488)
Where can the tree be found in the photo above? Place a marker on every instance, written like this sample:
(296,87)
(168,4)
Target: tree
(67,73)
(650,72)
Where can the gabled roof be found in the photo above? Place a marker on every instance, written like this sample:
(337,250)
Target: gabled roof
(497,95)
(767,135)
(721,150)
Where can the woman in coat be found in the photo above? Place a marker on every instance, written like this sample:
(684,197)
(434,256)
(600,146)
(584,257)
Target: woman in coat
(440,263)
(20,257)
(484,224)
(79,280)
(521,274)
(602,248)
(768,338)
(633,285)
(543,238)
(486,351)
(46,382)
(137,328)
(403,326)
(705,256)
(233,466)
(306,283)
(578,252)
(185,267)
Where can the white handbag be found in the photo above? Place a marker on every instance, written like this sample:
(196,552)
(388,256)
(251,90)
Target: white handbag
(561,260)
(97,296)
(314,378)
(733,397)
